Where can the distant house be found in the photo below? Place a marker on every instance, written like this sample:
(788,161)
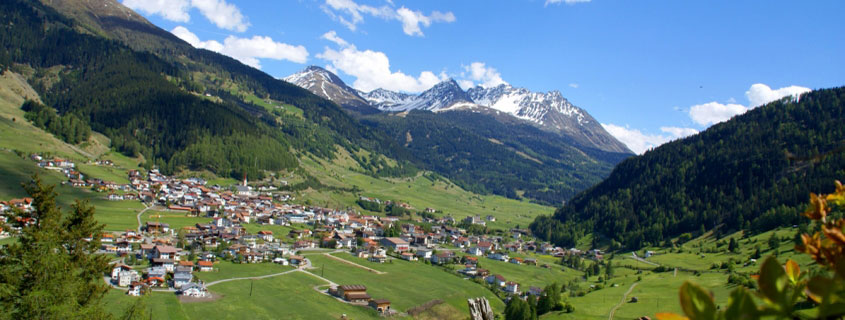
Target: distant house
(443,257)
(181,278)
(166,252)
(381,305)
(535,291)
(353,293)
(125,278)
(498,256)
(194,290)
(137,289)
(424,253)
(266,235)
(167,264)
(397,244)
(157,227)
(409,256)
(496,279)
(512,287)
(476,251)
(206,266)
(516,260)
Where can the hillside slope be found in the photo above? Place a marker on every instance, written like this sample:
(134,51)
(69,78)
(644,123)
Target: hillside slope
(501,156)
(754,171)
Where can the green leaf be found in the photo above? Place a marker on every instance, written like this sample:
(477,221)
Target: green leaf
(793,271)
(741,306)
(773,282)
(697,302)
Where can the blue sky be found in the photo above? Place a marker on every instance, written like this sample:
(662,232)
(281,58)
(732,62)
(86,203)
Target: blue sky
(650,71)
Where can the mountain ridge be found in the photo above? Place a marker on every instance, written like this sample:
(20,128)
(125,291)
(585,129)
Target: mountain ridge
(549,111)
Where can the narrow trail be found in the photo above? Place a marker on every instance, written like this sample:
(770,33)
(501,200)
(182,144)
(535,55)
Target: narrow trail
(354,264)
(621,302)
(138,217)
(250,278)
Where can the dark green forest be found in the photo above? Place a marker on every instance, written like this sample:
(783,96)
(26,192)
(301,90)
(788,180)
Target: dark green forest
(458,145)
(141,101)
(753,172)
(68,127)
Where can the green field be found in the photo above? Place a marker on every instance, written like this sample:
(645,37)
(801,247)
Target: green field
(419,191)
(527,275)
(106,173)
(289,296)
(176,219)
(118,215)
(227,270)
(405,284)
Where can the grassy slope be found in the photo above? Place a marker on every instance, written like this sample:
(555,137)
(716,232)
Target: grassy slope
(658,292)
(227,270)
(405,284)
(288,296)
(420,192)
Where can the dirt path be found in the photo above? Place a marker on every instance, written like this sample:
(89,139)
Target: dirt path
(250,278)
(621,302)
(354,264)
(138,217)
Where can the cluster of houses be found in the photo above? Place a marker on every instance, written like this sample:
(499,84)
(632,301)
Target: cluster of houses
(229,210)
(22,204)
(165,263)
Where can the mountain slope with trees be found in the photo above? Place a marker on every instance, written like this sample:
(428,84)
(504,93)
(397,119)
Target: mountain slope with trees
(148,102)
(753,172)
(504,156)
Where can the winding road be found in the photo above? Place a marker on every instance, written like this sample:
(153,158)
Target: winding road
(621,302)
(138,217)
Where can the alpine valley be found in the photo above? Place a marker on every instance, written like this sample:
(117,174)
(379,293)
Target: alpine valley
(154,174)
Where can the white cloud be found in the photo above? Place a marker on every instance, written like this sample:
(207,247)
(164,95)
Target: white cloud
(222,14)
(332,36)
(371,69)
(714,112)
(350,14)
(569,2)
(487,77)
(640,142)
(573,85)
(247,50)
(173,10)
(759,94)
(411,20)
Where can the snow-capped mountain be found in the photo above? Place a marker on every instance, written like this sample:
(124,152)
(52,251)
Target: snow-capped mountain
(329,86)
(548,111)
(386,99)
(440,96)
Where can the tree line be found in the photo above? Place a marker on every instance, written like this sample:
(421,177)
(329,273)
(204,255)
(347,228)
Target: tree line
(750,173)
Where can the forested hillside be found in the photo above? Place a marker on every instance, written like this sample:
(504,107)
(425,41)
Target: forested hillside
(150,104)
(752,172)
(485,155)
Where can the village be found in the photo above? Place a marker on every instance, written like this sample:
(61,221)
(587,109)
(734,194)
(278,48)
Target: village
(157,257)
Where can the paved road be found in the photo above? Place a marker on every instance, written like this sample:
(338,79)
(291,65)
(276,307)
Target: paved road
(621,302)
(635,257)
